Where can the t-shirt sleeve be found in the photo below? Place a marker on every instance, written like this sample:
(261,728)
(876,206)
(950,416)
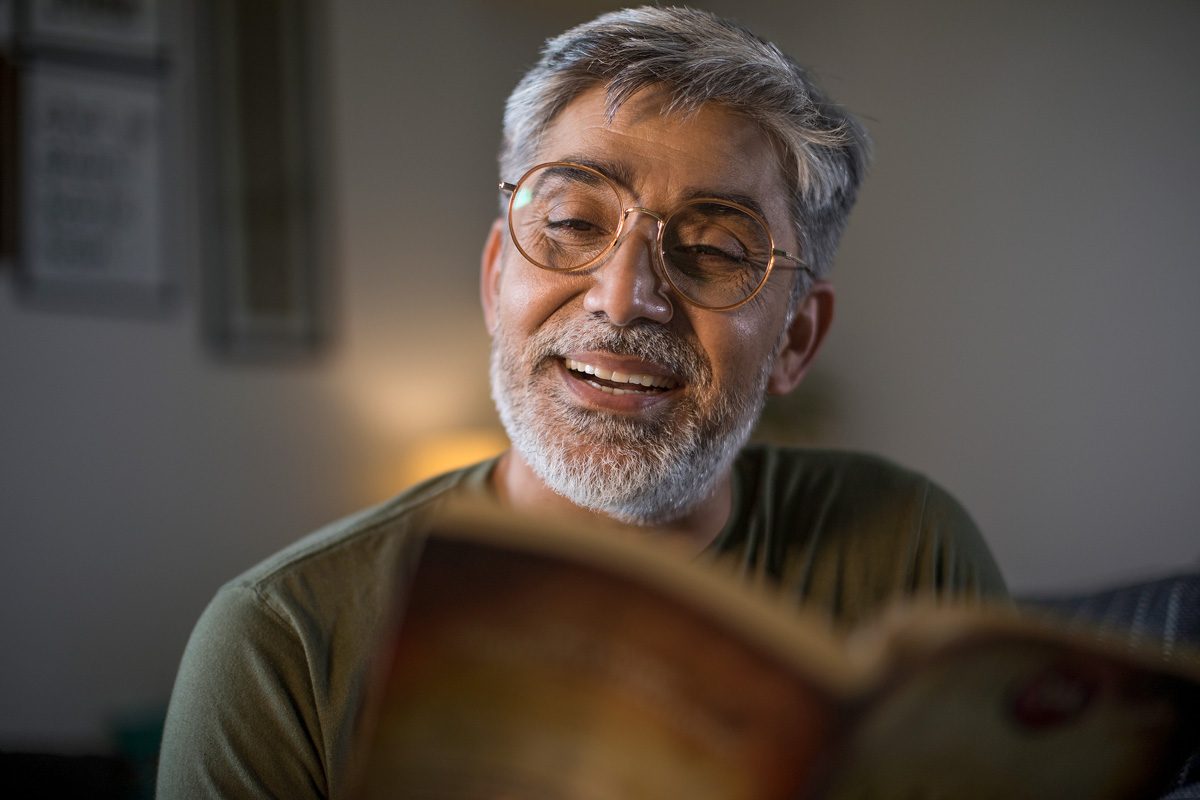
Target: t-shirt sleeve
(853,535)
(242,720)
(950,558)
(916,542)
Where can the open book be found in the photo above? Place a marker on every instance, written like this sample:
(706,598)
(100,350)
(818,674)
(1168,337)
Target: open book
(532,661)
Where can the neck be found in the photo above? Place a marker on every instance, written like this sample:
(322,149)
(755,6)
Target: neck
(519,488)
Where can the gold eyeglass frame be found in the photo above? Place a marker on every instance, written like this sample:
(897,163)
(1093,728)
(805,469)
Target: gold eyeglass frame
(660,264)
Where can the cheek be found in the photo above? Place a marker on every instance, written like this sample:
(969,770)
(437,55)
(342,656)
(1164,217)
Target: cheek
(738,347)
(530,295)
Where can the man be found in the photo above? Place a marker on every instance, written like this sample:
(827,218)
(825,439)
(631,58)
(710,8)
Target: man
(674,189)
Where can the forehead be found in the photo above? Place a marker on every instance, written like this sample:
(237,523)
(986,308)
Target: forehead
(663,156)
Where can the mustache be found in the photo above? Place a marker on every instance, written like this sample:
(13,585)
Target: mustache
(646,341)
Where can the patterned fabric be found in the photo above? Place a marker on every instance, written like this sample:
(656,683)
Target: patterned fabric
(1167,609)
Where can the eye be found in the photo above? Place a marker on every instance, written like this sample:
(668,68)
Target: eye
(572,224)
(710,251)
(702,265)
(568,217)
(716,243)
(703,262)
(719,256)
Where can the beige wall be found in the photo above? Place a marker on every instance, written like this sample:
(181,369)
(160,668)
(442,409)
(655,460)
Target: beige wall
(1017,317)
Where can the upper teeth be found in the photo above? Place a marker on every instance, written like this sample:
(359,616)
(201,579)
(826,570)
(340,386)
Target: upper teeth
(619,377)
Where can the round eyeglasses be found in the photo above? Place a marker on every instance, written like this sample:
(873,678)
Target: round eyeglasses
(716,254)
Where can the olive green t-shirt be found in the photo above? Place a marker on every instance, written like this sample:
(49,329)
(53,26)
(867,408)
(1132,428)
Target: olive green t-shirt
(265,701)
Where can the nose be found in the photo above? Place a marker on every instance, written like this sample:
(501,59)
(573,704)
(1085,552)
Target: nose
(625,286)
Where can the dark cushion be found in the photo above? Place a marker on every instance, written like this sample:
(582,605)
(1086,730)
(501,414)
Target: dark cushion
(1167,610)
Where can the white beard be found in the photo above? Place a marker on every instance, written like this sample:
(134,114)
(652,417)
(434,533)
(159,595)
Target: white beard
(645,470)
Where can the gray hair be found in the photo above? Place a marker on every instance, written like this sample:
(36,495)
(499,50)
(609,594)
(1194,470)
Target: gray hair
(701,58)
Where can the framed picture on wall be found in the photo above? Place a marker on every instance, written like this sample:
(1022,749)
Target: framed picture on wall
(264,258)
(8,135)
(7,22)
(129,28)
(91,196)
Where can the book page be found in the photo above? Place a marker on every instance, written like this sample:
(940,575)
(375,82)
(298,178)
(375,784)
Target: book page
(521,675)
(1004,712)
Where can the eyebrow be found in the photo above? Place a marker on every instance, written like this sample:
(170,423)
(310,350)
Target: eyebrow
(740,199)
(614,171)
(624,177)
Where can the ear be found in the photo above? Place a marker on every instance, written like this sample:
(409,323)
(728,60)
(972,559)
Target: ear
(489,274)
(802,338)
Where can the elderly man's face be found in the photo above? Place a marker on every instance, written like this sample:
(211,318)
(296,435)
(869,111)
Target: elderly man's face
(620,395)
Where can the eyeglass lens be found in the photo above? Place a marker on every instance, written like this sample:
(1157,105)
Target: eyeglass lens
(565,217)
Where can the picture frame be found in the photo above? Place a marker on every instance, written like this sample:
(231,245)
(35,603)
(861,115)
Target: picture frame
(7,23)
(91,199)
(9,166)
(264,252)
(128,29)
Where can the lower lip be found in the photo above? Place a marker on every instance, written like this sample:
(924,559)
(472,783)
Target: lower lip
(630,402)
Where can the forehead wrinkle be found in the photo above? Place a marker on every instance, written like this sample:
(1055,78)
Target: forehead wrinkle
(643,130)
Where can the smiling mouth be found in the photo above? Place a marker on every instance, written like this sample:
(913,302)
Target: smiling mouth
(618,383)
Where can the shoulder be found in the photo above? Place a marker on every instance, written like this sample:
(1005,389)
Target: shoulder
(377,540)
(832,481)
(851,530)
(855,496)
(776,462)
(281,652)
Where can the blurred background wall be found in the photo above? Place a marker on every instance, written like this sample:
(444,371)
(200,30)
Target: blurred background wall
(1017,317)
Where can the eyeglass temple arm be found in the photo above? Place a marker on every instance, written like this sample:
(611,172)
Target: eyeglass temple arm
(505,186)
(796,262)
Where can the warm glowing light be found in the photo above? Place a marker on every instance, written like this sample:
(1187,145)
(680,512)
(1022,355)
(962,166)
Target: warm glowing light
(433,455)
